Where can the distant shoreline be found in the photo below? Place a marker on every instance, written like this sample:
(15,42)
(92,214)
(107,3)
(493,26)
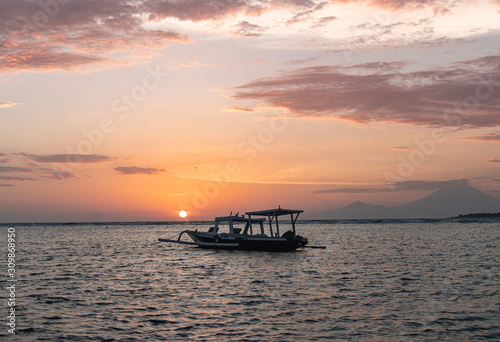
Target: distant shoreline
(479,215)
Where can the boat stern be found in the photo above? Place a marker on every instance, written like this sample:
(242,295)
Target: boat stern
(302,241)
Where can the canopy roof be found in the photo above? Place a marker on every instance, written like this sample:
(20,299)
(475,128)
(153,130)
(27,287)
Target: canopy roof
(274,212)
(237,219)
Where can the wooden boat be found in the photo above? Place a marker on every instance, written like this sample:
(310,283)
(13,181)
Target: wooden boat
(248,233)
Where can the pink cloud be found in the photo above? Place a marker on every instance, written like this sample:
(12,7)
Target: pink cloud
(132,170)
(352,191)
(400,186)
(11,178)
(54,34)
(8,104)
(324,20)
(61,175)
(246,29)
(485,137)
(23,164)
(46,58)
(239,109)
(13,169)
(465,94)
(307,14)
(68,158)
(197,10)
(438,6)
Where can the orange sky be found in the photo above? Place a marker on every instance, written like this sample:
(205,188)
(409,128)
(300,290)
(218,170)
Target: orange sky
(119,111)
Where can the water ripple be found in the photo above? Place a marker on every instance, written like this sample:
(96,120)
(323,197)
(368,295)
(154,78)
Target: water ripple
(380,282)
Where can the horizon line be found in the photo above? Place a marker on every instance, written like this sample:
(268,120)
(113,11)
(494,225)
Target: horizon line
(469,215)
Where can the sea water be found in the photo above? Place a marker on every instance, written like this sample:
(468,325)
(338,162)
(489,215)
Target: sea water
(413,281)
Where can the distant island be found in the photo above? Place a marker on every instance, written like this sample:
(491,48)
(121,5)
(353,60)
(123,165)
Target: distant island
(450,200)
(479,215)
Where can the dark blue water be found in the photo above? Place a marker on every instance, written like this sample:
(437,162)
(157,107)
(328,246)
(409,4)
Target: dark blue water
(374,282)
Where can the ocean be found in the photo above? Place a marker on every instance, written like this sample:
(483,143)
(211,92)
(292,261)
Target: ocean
(375,281)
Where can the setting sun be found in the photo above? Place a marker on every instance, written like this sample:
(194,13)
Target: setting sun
(183,213)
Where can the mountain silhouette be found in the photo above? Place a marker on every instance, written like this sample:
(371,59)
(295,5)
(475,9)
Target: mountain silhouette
(452,199)
(358,210)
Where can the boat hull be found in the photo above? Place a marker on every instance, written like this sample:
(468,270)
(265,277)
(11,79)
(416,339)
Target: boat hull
(247,243)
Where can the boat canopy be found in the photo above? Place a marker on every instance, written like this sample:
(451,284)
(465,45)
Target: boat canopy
(272,214)
(235,219)
(231,220)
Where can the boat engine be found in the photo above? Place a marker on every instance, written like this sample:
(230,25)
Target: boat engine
(298,240)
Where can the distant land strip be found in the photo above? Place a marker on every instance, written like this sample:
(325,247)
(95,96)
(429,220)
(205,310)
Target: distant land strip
(479,215)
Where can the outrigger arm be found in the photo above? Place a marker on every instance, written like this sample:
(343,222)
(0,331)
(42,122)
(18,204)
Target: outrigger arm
(201,244)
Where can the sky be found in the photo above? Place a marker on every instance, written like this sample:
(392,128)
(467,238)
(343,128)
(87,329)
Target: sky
(135,110)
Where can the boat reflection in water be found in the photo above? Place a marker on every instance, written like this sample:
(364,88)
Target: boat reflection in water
(248,233)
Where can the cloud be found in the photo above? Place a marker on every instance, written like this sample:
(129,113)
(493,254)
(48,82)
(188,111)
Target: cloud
(258,61)
(13,169)
(61,175)
(324,20)
(430,185)
(47,58)
(494,160)
(6,185)
(407,185)
(191,63)
(49,35)
(8,104)
(246,29)
(69,158)
(200,10)
(464,94)
(72,34)
(399,148)
(352,191)
(305,15)
(131,170)
(56,34)
(33,164)
(239,109)
(22,179)
(438,6)
(485,137)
